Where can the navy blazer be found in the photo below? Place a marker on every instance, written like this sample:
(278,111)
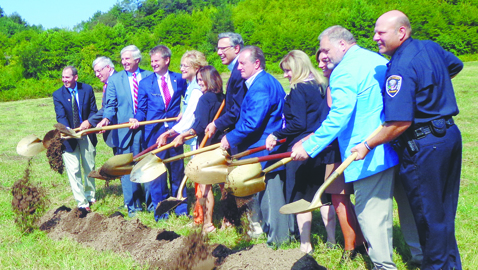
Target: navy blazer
(64,111)
(119,105)
(261,113)
(235,92)
(95,119)
(151,105)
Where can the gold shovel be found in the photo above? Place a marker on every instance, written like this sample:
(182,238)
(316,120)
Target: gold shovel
(151,167)
(31,145)
(302,206)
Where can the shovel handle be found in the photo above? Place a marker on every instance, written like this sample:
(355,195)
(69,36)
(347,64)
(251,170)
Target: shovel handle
(254,150)
(147,150)
(206,137)
(260,159)
(277,164)
(124,125)
(191,153)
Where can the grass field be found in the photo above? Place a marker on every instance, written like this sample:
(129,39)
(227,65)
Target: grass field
(37,251)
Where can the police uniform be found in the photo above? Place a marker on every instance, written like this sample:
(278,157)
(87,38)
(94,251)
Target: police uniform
(419,89)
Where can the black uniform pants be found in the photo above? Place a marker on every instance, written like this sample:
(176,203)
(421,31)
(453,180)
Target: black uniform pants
(431,178)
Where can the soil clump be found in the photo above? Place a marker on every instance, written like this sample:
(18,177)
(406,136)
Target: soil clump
(54,153)
(161,249)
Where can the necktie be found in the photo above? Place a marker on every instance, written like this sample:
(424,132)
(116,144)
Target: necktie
(135,91)
(104,91)
(74,107)
(167,96)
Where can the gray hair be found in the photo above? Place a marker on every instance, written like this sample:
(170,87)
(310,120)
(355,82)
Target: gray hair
(73,69)
(135,52)
(103,61)
(163,50)
(336,33)
(256,54)
(234,38)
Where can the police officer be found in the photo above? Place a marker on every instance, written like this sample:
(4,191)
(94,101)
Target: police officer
(419,103)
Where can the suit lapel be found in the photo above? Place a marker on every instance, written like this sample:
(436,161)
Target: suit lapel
(127,89)
(81,98)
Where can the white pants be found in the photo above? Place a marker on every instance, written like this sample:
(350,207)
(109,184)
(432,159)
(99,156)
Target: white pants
(86,152)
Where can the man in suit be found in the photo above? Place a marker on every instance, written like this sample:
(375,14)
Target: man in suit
(261,114)
(74,102)
(104,68)
(159,97)
(228,48)
(121,105)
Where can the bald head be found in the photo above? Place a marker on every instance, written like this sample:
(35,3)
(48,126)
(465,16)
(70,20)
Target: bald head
(391,30)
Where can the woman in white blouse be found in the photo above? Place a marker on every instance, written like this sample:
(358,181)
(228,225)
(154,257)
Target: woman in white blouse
(191,62)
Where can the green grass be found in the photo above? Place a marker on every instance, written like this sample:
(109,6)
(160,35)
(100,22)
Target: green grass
(36,251)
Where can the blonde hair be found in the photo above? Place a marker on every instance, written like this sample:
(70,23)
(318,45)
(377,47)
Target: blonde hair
(302,70)
(195,58)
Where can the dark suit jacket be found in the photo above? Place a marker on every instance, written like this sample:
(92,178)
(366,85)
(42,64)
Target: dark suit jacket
(151,105)
(95,119)
(119,106)
(64,112)
(235,92)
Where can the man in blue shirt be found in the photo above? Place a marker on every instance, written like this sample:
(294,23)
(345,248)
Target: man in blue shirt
(355,85)
(419,104)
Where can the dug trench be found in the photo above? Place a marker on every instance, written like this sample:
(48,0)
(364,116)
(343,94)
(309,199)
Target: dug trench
(162,249)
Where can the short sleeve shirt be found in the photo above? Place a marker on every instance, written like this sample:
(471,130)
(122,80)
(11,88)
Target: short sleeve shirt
(418,84)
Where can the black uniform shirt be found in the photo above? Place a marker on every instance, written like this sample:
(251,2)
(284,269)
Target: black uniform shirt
(418,86)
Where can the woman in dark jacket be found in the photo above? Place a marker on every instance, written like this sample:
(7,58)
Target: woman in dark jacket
(211,85)
(305,109)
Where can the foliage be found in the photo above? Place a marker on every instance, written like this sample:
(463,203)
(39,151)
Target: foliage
(28,52)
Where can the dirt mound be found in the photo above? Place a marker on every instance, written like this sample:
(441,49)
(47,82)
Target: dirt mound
(161,249)
(28,202)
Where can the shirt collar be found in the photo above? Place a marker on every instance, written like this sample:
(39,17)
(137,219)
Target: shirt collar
(74,90)
(233,63)
(402,47)
(252,78)
(131,73)
(166,76)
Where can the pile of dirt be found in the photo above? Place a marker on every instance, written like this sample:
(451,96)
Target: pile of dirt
(28,202)
(161,249)
(54,152)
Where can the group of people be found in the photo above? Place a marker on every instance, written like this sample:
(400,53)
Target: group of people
(327,116)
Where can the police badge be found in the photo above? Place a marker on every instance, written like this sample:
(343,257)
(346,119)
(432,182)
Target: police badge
(393,85)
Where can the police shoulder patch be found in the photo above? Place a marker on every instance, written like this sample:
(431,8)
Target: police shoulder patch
(393,84)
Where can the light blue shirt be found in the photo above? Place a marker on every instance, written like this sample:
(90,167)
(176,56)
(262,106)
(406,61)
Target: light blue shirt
(357,110)
(231,65)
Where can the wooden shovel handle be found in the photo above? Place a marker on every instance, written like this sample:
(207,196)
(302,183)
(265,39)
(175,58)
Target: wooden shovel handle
(260,159)
(162,148)
(206,137)
(254,150)
(277,164)
(191,153)
(147,150)
(124,125)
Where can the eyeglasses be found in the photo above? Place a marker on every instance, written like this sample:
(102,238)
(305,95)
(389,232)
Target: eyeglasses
(223,49)
(98,71)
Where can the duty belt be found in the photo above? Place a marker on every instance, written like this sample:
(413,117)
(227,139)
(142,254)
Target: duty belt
(423,131)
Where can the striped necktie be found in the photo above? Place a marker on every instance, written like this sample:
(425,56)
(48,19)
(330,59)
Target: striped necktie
(135,93)
(74,108)
(167,96)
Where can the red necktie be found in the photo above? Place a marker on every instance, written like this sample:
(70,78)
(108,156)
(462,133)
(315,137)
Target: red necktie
(135,91)
(167,96)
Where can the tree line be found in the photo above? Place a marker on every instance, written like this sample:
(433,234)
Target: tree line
(31,57)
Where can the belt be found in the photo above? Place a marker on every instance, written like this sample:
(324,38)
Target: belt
(423,131)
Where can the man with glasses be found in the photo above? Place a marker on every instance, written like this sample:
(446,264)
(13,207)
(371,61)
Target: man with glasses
(103,68)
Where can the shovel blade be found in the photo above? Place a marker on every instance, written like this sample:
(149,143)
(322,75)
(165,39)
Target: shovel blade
(245,180)
(300,206)
(208,168)
(118,165)
(148,169)
(30,146)
(166,205)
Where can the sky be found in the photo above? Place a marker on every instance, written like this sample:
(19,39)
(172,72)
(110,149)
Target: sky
(56,13)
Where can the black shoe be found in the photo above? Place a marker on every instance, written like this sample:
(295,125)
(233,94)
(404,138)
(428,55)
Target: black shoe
(361,250)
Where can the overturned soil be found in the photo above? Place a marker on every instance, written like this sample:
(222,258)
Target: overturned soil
(161,249)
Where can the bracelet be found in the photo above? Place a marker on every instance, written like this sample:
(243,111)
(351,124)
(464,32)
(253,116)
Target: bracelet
(367,146)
